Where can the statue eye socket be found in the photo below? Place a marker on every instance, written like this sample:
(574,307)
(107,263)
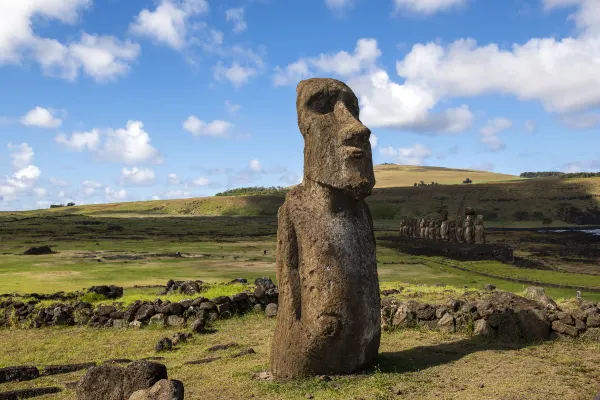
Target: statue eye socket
(322,103)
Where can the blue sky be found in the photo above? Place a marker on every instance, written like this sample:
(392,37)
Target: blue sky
(121,100)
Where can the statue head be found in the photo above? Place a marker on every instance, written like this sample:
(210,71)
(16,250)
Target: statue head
(479,220)
(337,151)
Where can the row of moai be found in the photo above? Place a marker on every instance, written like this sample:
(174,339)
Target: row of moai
(467,230)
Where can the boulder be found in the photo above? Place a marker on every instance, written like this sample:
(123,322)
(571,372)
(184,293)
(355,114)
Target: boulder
(18,374)
(565,329)
(175,320)
(593,320)
(164,344)
(141,375)
(36,251)
(539,294)
(158,320)
(105,311)
(165,389)
(104,382)
(110,291)
(446,323)
(534,324)
(481,328)
(566,318)
(271,310)
(198,325)
(145,312)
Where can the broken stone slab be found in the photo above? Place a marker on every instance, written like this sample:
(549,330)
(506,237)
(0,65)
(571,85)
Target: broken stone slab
(66,368)
(165,389)
(222,347)
(565,329)
(244,352)
(18,373)
(202,361)
(28,393)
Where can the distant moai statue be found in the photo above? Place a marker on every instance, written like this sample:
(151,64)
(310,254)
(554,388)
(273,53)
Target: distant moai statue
(460,237)
(421,228)
(479,230)
(452,231)
(411,228)
(431,235)
(401,228)
(426,236)
(438,229)
(469,225)
(329,315)
(444,226)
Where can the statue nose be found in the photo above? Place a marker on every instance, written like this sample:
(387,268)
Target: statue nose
(354,131)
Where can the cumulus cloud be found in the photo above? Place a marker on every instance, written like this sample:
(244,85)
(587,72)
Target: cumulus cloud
(59,182)
(489,133)
(415,155)
(216,128)
(137,176)
(113,195)
(338,5)
(173,179)
(582,166)
(586,120)
(41,117)
(255,166)
(427,7)
(169,22)
(235,73)
(290,178)
(90,187)
(374,140)
(236,17)
(103,58)
(384,103)
(80,141)
(201,181)
(25,174)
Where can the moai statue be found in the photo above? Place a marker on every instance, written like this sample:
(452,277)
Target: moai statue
(417,228)
(402,225)
(413,228)
(423,229)
(479,230)
(452,231)
(460,237)
(329,320)
(409,228)
(444,226)
(438,230)
(426,228)
(431,235)
(470,229)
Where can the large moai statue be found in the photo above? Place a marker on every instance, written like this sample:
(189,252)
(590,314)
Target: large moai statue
(470,229)
(452,231)
(328,321)
(422,228)
(431,235)
(444,226)
(402,226)
(438,229)
(413,228)
(479,230)
(460,237)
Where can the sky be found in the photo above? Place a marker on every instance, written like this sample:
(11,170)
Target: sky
(120,100)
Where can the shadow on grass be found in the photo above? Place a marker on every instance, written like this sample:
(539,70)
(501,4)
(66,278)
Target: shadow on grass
(423,357)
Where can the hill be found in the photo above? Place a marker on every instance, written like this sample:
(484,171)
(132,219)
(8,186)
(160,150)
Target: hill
(504,200)
(391,175)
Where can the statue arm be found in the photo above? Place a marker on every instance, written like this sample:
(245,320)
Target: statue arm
(288,274)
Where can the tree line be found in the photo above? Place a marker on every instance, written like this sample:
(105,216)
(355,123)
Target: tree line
(558,174)
(255,191)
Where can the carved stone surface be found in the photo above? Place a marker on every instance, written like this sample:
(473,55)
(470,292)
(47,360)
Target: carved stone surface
(460,237)
(469,229)
(328,320)
(479,230)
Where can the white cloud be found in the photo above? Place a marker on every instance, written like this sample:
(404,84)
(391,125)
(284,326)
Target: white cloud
(338,5)
(427,7)
(41,117)
(236,16)
(90,187)
(201,181)
(415,155)
(59,182)
(384,103)
(342,63)
(137,176)
(114,195)
(169,22)
(486,166)
(255,166)
(216,128)
(173,194)
(236,73)
(232,108)
(25,174)
(173,179)
(80,141)
(374,140)
(101,57)
(530,126)
(489,133)
(130,145)
(291,178)
(587,120)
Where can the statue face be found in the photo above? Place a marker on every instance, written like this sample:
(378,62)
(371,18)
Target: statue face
(337,151)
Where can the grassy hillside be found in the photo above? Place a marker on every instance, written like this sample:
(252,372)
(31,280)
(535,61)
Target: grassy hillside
(407,175)
(504,199)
